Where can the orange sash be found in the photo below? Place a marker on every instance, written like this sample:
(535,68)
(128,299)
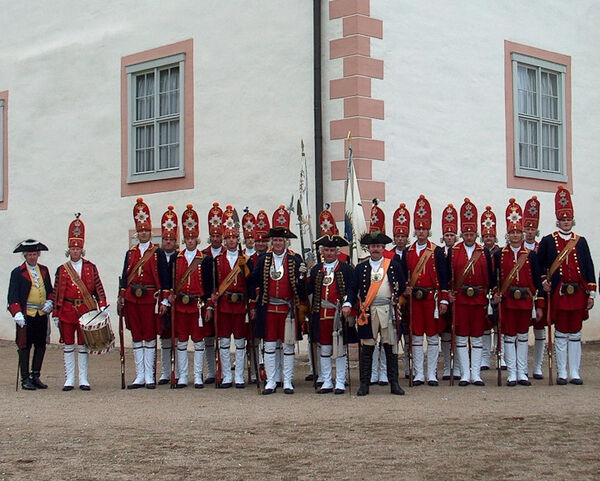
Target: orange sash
(371,294)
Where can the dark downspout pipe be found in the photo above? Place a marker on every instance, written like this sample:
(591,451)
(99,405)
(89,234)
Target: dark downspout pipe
(318,121)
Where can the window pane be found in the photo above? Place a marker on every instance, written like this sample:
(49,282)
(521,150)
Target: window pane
(169,91)
(550,152)
(527,90)
(144,96)
(169,144)
(528,144)
(549,95)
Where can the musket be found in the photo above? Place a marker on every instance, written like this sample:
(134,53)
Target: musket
(218,374)
(313,346)
(345,334)
(499,333)
(305,185)
(549,326)
(122,343)
(173,345)
(452,336)
(410,353)
(18,369)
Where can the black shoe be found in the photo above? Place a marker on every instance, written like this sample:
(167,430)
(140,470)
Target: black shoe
(479,383)
(339,391)
(396,389)
(433,383)
(418,382)
(484,368)
(209,380)
(67,388)
(267,391)
(180,385)
(511,383)
(198,386)
(503,368)
(363,390)
(280,384)
(382,383)
(576,381)
(288,390)
(538,376)
(28,385)
(445,378)
(325,390)
(162,382)
(319,384)
(85,387)
(38,384)
(524,382)
(309,377)
(463,383)
(225,385)
(240,385)
(407,376)
(561,381)
(151,385)
(373,383)
(135,386)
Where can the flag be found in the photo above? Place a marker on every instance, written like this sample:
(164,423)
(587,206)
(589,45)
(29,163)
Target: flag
(354,216)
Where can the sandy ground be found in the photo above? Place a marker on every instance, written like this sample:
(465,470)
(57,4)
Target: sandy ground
(540,432)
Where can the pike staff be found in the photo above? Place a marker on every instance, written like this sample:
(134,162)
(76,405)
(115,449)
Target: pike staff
(121,342)
(549,326)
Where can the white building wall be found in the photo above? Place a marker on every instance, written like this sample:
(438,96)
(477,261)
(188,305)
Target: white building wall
(61,63)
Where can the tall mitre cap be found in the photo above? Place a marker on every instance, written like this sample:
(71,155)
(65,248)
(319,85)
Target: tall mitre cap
(230,228)
(488,222)
(280,224)
(215,219)
(450,220)
(141,216)
(262,225)
(168,224)
(376,234)
(30,245)
(248,224)
(190,222)
(468,216)
(531,214)
(76,232)
(422,213)
(401,220)
(329,232)
(514,216)
(563,206)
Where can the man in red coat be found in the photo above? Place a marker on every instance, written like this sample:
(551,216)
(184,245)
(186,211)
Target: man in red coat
(144,289)
(425,265)
(519,293)
(191,292)
(78,289)
(471,268)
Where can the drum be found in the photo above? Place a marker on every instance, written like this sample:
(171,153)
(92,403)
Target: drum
(97,333)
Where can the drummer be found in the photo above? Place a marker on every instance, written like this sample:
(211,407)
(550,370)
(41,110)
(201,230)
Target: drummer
(78,290)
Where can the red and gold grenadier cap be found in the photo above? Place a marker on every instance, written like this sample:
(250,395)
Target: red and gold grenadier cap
(531,215)
(280,224)
(190,222)
(248,224)
(263,226)
(450,220)
(141,215)
(215,220)
(168,224)
(230,227)
(488,222)
(468,216)
(329,232)
(376,234)
(563,206)
(76,232)
(514,216)
(422,213)
(402,220)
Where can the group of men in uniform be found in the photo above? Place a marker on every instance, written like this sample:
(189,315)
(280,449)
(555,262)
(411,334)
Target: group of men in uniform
(265,297)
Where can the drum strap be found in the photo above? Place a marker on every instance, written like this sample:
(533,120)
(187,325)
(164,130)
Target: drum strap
(88,300)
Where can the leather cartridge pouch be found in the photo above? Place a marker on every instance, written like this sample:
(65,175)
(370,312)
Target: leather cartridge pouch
(235,297)
(569,288)
(471,291)
(138,290)
(419,293)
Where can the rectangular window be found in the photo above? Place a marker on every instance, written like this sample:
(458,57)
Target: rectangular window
(2,160)
(539,118)
(156,113)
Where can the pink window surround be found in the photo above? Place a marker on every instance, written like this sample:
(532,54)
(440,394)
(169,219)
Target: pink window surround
(512,181)
(163,185)
(4,201)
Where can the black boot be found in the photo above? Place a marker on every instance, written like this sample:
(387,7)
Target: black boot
(24,367)
(364,369)
(392,370)
(36,367)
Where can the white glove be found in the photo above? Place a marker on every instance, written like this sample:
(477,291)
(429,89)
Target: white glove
(56,320)
(165,302)
(302,267)
(19,319)
(47,307)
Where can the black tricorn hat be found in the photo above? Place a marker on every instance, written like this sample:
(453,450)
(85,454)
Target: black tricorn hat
(30,245)
(281,232)
(375,238)
(329,240)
